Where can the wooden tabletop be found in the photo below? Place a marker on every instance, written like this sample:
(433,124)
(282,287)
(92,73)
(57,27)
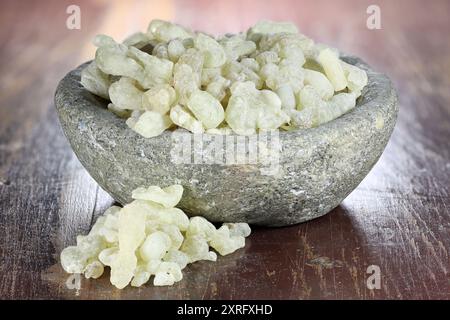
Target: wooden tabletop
(397,220)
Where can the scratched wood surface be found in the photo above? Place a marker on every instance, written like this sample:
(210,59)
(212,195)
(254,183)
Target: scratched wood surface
(397,219)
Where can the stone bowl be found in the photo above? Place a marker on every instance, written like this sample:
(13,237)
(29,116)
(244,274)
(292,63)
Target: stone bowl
(315,168)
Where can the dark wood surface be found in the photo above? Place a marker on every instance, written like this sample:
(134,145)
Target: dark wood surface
(397,219)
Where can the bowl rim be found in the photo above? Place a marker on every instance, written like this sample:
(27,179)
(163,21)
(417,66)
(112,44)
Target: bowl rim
(378,94)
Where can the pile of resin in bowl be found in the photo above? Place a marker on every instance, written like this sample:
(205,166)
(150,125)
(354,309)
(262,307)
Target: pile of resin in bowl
(150,237)
(266,78)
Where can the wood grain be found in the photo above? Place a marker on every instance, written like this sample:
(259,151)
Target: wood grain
(397,219)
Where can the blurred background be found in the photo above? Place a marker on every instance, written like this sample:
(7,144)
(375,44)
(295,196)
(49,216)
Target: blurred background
(398,218)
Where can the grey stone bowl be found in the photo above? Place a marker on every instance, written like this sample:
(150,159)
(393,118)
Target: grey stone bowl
(317,168)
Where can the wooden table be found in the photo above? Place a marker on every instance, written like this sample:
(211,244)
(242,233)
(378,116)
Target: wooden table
(398,218)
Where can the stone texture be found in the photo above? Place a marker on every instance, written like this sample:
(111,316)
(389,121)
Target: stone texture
(319,167)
